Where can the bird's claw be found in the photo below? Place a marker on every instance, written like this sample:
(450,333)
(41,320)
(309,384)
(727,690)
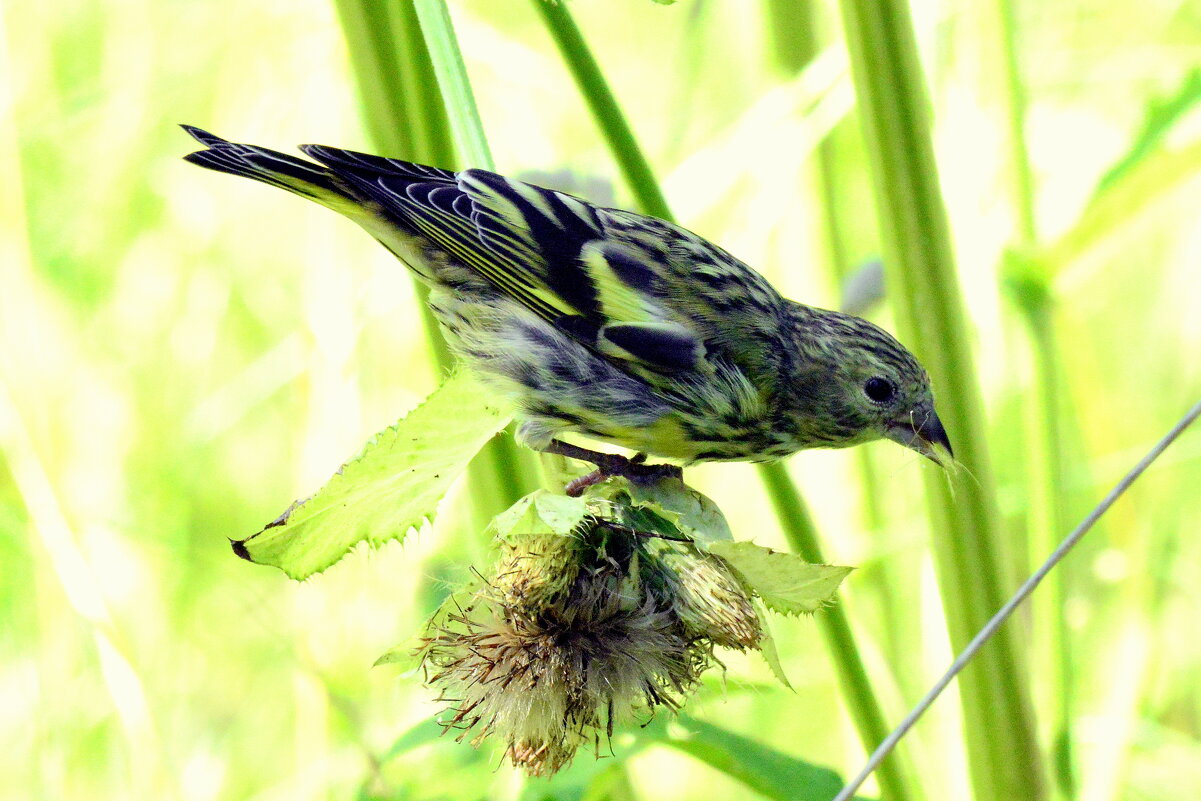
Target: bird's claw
(633,469)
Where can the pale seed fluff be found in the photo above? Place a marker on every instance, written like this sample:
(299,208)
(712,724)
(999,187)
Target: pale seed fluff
(574,634)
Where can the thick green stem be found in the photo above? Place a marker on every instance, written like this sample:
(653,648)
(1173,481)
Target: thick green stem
(635,169)
(390,64)
(995,689)
(453,83)
(1020,171)
(801,533)
(786,499)
(408,118)
(1047,510)
(1047,514)
(797,31)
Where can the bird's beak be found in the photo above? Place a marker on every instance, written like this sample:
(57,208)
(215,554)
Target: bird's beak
(922,431)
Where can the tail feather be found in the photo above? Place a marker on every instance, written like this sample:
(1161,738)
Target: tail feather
(338,159)
(269,166)
(342,182)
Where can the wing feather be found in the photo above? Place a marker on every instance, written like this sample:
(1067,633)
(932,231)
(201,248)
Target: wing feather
(622,283)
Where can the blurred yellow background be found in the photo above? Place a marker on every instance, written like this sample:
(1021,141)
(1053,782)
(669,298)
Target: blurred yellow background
(181,355)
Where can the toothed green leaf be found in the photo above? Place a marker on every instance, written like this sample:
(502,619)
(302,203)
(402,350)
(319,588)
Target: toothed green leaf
(694,514)
(540,512)
(767,649)
(393,485)
(785,582)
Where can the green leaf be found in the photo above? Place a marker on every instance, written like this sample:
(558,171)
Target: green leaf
(423,733)
(587,778)
(786,582)
(774,774)
(694,514)
(767,649)
(393,485)
(407,656)
(541,512)
(1123,202)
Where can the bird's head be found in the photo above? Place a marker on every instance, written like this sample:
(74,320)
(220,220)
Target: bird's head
(865,385)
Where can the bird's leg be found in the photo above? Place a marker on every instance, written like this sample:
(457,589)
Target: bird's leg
(610,464)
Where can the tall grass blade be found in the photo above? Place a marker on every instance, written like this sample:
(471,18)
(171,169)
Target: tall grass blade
(619,136)
(1047,485)
(408,118)
(393,72)
(995,690)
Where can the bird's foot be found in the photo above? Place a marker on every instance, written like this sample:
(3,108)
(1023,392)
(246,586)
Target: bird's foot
(611,464)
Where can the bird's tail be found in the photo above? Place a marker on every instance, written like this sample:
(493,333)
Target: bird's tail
(277,169)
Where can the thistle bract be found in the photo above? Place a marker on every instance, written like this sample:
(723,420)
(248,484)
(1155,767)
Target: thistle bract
(705,595)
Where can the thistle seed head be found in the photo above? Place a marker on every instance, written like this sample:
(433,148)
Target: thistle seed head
(574,634)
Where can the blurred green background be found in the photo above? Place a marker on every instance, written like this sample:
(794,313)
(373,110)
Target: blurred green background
(182,354)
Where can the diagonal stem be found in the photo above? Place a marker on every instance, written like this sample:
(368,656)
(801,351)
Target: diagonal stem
(1022,594)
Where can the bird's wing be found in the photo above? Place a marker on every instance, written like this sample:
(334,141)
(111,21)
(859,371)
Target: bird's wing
(571,263)
(732,309)
(431,203)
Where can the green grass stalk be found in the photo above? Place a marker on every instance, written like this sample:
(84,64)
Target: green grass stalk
(390,64)
(801,533)
(795,30)
(786,499)
(1047,494)
(1005,761)
(1047,480)
(589,79)
(399,77)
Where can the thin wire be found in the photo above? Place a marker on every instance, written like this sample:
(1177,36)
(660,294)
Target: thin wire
(890,742)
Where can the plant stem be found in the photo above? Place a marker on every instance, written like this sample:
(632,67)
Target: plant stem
(1047,505)
(635,169)
(786,499)
(408,118)
(447,59)
(1047,485)
(999,719)
(801,534)
(1021,173)
(796,29)
(400,119)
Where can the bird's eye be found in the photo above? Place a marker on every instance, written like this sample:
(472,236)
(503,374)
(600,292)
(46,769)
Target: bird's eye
(879,390)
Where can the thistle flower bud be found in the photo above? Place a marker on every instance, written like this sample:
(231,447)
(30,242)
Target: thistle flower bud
(536,570)
(706,596)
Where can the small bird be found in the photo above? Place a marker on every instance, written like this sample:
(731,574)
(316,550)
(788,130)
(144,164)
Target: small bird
(618,326)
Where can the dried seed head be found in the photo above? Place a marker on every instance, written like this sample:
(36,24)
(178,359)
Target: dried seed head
(549,667)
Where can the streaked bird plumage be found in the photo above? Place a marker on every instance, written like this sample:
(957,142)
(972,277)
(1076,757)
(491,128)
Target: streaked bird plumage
(611,324)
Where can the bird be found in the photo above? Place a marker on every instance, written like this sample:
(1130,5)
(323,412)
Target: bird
(613,325)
